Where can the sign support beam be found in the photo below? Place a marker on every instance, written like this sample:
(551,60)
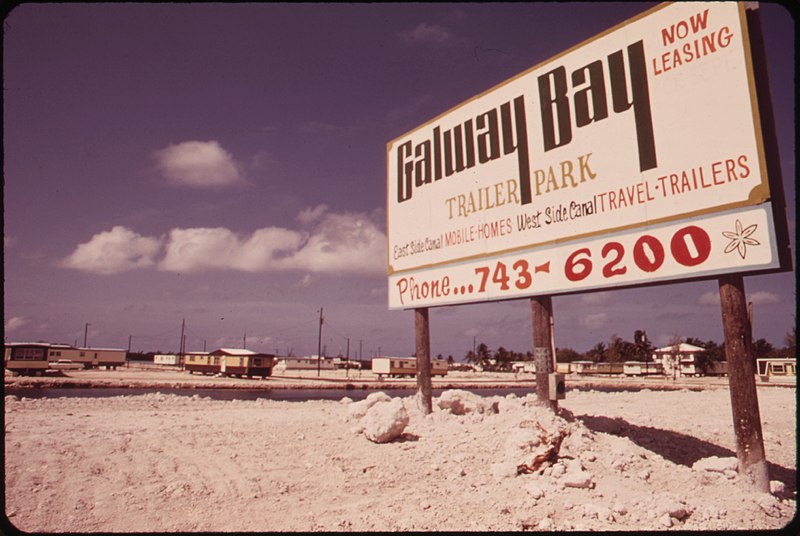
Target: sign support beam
(541,313)
(423,354)
(742,381)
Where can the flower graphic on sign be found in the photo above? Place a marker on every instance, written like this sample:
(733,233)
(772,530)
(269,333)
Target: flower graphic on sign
(741,238)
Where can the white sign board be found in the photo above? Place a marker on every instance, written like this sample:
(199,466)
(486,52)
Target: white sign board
(633,158)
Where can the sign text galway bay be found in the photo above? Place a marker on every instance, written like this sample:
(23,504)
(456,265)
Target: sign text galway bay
(632,158)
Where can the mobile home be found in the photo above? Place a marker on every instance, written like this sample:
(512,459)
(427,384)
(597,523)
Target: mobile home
(166,359)
(778,370)
(398,367)
(241,362)
(201,362)
(26,358)
(642,368)
(90,357)
(33,358)
(307,363)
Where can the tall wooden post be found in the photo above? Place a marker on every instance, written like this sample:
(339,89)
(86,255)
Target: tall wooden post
(319,342)
(541,311)
(742,381)
(423,353)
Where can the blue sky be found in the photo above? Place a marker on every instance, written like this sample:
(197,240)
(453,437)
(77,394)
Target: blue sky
(226,164)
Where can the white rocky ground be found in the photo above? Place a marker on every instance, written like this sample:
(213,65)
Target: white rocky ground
(609,461)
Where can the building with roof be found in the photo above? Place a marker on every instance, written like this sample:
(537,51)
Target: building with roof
(243,362)
(678,359)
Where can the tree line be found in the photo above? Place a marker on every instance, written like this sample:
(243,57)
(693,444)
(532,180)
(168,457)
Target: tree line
(618,350)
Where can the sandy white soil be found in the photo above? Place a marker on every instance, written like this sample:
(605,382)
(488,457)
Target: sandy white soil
(160,462)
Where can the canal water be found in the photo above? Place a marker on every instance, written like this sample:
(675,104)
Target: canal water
(295,395)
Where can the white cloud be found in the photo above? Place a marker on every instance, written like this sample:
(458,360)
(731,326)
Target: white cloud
(198,164)
(595,320)
(310,215)
(15,322)
(339,243)
(762,297)
(114,251)
(596,298)
(427,33)
(199,249)
(708,298)
(305,282)
(343,242)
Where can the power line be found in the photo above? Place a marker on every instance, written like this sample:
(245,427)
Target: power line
(335,330)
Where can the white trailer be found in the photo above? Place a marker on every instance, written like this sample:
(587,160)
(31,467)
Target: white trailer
(398,367)
(779,370)
(166,359)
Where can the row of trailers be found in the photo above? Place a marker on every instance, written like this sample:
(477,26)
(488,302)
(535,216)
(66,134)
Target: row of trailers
(625,368)
(35,358)
(780,370)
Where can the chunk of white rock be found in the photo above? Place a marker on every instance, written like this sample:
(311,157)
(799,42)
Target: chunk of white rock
(716,464)
(675,509)
(666,520)
(460,402)
(521,445)
(536,489)
(769,504)
(385,421)
(558,470)
(357,410)
(776,487)
(577,479)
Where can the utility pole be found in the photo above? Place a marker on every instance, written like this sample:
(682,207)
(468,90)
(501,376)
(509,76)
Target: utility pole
(129,342)
(180,345)
(244,341)
(85,334)
(319,343)
(347,365)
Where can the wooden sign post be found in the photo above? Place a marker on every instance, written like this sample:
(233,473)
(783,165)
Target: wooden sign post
(541,312)
(742,381)
(423,353)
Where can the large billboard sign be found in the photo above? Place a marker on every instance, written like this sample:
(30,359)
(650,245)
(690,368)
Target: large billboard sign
(633,158)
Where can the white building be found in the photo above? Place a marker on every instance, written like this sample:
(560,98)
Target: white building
(678,359)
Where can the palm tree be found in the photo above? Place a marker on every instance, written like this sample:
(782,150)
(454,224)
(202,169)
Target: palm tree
(597,353)
(503,358)
(484,355)
(644,349)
